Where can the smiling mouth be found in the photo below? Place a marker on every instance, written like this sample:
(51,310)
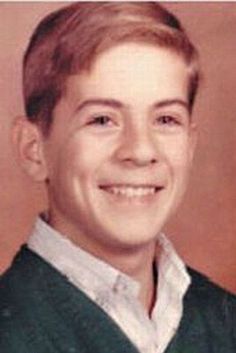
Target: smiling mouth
(131,191)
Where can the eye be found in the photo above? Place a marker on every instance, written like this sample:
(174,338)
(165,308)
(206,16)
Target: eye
(102,120)
(168,120)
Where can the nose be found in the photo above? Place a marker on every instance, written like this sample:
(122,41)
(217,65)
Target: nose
(137,147)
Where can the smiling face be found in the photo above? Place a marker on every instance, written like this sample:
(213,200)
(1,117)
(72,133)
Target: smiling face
(120,148)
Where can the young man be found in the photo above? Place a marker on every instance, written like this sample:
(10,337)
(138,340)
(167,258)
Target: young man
(109,90)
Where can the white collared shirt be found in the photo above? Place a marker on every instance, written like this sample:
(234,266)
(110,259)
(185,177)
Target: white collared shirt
(115,292)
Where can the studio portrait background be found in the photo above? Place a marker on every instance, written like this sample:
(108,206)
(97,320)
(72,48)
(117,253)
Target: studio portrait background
(204,228)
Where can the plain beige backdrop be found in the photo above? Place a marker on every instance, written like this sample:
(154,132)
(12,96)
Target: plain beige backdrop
(204,229)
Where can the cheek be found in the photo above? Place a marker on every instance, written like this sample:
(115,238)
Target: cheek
(177,153)
(83,157)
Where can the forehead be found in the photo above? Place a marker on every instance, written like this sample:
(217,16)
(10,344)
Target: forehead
(132,73)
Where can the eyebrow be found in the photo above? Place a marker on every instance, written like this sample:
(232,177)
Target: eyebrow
(175,101)
(113,103)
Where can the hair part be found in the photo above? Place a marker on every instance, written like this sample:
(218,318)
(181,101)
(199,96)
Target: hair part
(69,40)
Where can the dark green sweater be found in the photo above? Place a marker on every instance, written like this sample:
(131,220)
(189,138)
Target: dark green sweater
(41,312)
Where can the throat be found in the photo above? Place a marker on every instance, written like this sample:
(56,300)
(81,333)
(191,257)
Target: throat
(153,295)
(148,292)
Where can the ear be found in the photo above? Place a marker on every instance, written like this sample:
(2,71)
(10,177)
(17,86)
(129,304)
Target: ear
(193,140)
(28,143)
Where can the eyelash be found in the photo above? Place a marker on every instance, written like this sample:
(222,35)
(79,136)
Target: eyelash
(99,120)
(164,120)
(171,120)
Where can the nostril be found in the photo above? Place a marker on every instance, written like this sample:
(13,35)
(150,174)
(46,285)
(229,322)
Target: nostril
(138,149)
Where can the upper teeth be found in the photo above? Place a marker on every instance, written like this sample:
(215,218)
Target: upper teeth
(130,191)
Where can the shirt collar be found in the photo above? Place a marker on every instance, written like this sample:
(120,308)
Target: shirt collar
(91,273)
(80,267)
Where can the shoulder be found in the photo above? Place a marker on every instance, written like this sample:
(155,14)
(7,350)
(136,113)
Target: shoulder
(212,303)
(40,311)
(20,299)
(10,310)
(208,323)
(205,289)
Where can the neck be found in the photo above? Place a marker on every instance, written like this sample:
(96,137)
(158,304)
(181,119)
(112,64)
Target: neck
(140,265)
(137,262)
(146,275)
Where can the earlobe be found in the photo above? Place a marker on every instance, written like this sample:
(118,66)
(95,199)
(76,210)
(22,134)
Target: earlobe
(28,144)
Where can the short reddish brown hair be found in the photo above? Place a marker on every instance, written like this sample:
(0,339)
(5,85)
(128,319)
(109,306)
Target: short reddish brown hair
(68,41)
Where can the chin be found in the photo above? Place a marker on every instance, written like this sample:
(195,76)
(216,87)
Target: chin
(131,237)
